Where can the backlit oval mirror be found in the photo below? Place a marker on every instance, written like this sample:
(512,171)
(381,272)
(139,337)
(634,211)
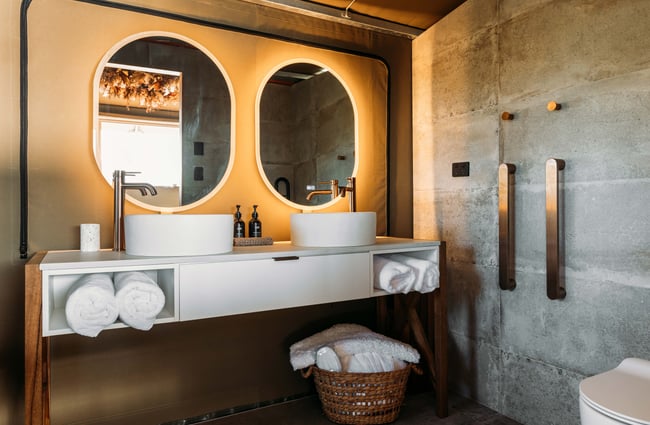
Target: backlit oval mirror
(307,133)
(163,107)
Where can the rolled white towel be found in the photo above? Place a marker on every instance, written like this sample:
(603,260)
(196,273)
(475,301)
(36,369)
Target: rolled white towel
(427,275)
(139,299)
(91,305)
(392,276)
(327,359)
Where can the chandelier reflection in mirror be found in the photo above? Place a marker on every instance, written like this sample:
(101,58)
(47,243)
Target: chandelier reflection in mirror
(163,106)
(139,114)
(147,88)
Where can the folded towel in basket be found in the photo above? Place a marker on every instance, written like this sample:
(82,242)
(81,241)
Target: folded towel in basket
(427,275)
(91,305)
(371,363)
(347,340)
(139,299)
(392,276)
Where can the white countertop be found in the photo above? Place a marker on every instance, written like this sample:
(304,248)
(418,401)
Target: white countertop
(57,260)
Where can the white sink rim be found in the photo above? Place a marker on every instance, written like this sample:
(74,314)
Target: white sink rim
(335,229)
(173,235)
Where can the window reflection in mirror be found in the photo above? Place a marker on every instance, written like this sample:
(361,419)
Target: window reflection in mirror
(164,109)
(306,132)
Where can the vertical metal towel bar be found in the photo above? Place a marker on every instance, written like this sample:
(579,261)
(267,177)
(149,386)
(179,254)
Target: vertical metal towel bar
(554,287)
(506,226)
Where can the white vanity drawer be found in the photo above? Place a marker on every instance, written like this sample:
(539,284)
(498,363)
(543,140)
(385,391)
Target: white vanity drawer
(221,289)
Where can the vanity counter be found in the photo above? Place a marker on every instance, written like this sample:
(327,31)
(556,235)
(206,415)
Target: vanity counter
(61,260)
(248,279)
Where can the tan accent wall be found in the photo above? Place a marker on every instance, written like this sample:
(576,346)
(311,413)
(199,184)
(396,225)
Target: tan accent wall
(63,60)
(178,370)
(11,272)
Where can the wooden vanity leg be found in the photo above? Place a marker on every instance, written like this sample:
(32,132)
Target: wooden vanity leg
(37,349)
(382,315)
(436,360)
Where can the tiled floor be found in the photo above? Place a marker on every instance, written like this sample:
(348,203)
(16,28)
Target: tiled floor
(417,409)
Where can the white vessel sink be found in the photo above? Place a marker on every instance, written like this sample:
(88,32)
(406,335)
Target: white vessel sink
(172,235)
(333,229)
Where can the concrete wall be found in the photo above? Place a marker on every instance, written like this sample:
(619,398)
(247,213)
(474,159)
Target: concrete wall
(517,351)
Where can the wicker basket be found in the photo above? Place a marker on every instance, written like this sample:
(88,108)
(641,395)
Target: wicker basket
(361,398)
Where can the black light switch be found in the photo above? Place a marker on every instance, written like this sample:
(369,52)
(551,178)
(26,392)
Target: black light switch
(198,173)
(198,148)
(460,169)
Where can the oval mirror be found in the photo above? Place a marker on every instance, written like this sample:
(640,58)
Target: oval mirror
(163,108)
(306,133)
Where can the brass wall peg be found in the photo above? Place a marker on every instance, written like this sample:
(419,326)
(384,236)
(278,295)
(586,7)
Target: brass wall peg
(553,106)
(507,116)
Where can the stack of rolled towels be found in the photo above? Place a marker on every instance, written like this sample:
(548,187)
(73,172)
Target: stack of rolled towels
(402,273)
(95,301)
(352,348)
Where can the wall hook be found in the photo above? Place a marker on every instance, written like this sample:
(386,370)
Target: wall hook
(507,116)
(553,106)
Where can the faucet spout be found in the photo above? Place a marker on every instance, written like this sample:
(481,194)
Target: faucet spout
(142,187)
(313,193)
(333,191)
(119,192)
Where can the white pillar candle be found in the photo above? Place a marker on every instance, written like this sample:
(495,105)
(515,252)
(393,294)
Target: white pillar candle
(89,236)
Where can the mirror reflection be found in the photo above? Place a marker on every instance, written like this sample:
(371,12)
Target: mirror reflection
(307,133)
(164,110)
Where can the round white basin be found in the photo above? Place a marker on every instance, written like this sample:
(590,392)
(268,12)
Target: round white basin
(172,235)
(333,229)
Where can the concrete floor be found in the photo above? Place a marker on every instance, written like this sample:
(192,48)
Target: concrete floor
(417,409)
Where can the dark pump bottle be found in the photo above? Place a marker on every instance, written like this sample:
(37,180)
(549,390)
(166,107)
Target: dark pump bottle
(254,225)
(240,227)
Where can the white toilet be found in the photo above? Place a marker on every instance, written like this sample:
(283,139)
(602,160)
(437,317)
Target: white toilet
(619,396)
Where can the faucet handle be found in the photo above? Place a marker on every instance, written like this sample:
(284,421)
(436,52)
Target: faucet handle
(121,173)
(330,182)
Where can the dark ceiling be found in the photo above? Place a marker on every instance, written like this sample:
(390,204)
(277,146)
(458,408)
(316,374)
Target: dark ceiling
(420,14)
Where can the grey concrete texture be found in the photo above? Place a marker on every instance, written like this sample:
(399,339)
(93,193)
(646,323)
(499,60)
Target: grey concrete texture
(596,326)
(602,129)
(475,370)
(467,137)
(457,77)
(517,351)
(573,42)
(474,310)
(534,392)
(595,246)
(467,218)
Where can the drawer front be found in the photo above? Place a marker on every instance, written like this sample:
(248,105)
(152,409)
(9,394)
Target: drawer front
(221,289)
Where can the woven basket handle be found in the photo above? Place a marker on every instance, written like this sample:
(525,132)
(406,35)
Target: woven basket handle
(306,373)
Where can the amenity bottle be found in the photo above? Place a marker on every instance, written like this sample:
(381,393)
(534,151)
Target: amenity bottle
(254,225)
(240,226)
